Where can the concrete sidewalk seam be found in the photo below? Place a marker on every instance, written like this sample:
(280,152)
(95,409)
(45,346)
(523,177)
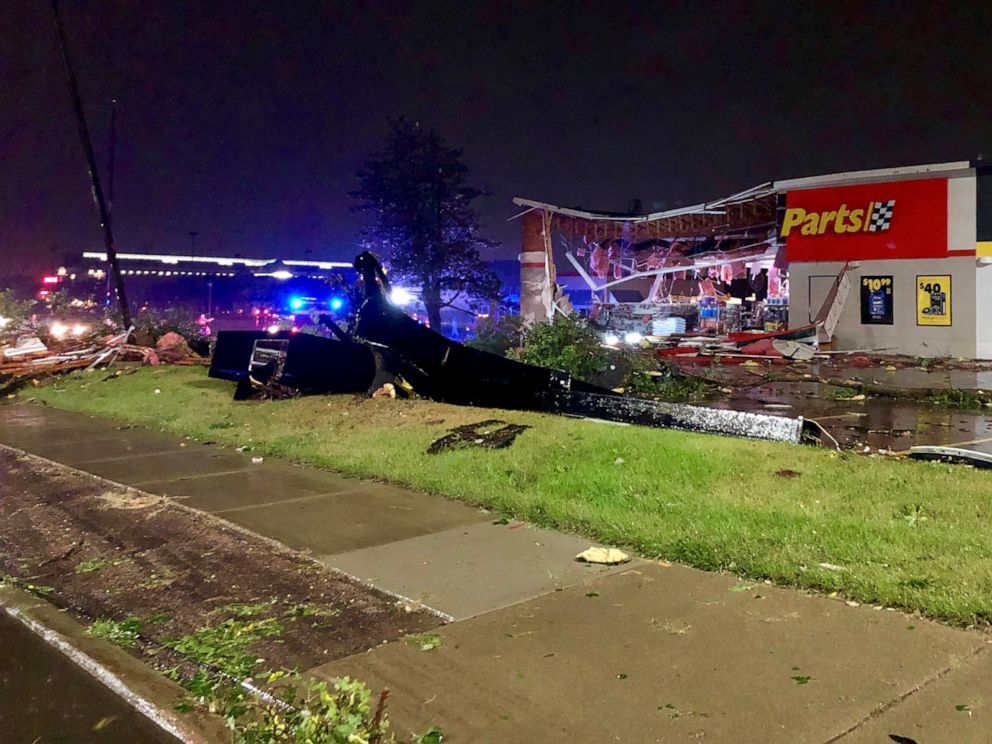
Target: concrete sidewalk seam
(132,455)
(181,478)
(294,500)
(245,469)
(275,544)
(107,678)
(892,704)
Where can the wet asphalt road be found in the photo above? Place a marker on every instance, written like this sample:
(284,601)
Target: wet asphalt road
(46,699)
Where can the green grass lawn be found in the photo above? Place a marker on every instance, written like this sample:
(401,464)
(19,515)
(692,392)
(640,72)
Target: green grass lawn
(906,534)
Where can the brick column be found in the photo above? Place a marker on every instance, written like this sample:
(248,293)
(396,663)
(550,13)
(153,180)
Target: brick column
(534,289)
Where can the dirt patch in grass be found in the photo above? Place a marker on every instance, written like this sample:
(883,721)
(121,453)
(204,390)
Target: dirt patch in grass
(163,572)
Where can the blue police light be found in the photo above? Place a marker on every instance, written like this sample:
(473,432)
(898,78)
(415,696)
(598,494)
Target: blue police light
(336,303)
(296,303)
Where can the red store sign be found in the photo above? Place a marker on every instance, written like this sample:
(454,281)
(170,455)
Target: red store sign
(895,219)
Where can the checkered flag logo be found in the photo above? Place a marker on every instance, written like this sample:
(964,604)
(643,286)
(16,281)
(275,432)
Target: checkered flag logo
(881,215)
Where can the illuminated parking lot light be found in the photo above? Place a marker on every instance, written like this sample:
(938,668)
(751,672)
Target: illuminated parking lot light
(611,339)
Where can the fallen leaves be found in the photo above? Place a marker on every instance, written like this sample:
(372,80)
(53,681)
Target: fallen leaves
(424,641)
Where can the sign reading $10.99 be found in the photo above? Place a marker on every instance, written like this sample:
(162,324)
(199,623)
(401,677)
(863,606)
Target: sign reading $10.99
(876,300)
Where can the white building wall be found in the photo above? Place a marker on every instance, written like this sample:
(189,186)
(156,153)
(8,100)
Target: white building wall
(903,336)
(962,198)
(983,311)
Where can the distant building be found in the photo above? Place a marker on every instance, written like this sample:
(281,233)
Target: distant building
(234,285)
(203,284)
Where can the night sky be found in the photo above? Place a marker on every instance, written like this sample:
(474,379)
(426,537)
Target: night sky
(245,121)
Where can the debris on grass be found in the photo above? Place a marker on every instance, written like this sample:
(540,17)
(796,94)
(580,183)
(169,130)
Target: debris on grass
(912,514)
(830,566)
(490,434)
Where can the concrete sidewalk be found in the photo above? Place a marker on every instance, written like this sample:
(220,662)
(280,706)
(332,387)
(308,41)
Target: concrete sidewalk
(544,649)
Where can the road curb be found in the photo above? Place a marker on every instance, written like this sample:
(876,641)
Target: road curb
(141,687)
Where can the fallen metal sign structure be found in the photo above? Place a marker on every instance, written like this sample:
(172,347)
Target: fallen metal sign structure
(954,455)
(682,416)
(387,345)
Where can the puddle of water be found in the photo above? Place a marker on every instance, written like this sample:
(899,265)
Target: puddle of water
(46,699)
(877,422)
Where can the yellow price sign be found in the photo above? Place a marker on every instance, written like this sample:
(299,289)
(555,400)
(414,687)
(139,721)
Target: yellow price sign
(933,300)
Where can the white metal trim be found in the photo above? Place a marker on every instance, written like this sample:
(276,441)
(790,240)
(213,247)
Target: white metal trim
(865,175)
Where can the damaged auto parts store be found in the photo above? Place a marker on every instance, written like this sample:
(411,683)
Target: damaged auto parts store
(896,260)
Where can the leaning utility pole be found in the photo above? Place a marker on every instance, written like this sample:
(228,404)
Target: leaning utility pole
(84,136)
(111,152)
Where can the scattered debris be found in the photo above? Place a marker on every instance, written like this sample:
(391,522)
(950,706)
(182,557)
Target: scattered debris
(830,566)
(172,347)
(25,345)
(488,433)
(24,357)
(388,390)
(29,358)
(603,556)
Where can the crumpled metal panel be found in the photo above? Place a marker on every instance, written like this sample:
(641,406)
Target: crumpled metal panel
(679,416)
(736,423)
